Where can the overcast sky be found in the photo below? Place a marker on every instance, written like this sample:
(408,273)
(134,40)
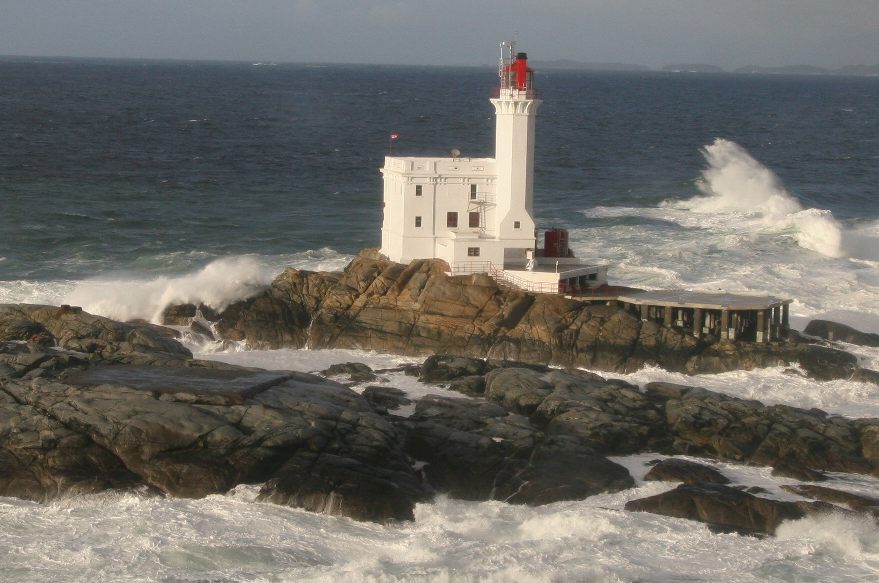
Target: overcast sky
(729,33)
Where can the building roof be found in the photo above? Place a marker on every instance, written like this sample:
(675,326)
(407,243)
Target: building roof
(707,300)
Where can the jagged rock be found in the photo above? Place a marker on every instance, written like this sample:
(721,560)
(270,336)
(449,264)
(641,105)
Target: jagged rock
(519,390)
(446,367)
(472,386)
(417,309)
(788,469)
(120,406)
(724,509)
(834,496)
(840,333)
(678,470)
(357,372)
(864,375)
(385,398)
(825,364)
(477,451)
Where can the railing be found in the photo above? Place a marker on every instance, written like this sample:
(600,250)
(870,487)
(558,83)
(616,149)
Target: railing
(504,279)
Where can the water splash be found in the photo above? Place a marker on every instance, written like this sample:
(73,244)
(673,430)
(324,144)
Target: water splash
(734,182)
(217,285)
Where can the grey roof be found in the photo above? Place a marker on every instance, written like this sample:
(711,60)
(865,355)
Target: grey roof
(708,300)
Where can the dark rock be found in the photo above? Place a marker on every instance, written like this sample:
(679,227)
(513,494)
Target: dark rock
(477,451)
(357,372)
(444,367)
(825,364)
(787,469)
(472,386)
(678,470)
(559,469)
(840,333)
(723,508)
(183,314)
(864,375)
(834,496)
(519,390)
(384,398)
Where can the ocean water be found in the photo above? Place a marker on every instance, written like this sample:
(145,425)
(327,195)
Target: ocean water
(127,185)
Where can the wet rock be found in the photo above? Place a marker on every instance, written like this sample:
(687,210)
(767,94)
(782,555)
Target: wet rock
(444,367)
(854,501)
(472,386)
(357,372)
(678,470)
(724,509)
(787,469)
(385,398)
(477,451)
(840,333)
(826,364)
(864,375)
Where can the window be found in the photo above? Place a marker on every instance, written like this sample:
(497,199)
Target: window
(474,220)
(473,251)
(472,192)
(517,225)
(417,222)
(418,188)
(452,220)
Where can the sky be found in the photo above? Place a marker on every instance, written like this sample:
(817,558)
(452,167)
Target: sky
(727,33)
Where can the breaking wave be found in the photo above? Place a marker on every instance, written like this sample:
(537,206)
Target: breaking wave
(735,182)
(219,283)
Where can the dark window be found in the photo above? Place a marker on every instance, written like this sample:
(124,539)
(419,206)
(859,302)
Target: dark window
(473,251)
(472,192)
(418,190)
(517,224)
(474,220)
(593,276)
(452,220)
(417,221)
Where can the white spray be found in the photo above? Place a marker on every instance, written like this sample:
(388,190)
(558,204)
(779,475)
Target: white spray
(734,182)
(217,285)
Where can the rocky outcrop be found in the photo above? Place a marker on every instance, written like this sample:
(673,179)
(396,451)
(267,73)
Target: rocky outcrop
(840,333)
(612,417)
(479,451)
(725,509)
(687,472)
(120,406)
(417,309)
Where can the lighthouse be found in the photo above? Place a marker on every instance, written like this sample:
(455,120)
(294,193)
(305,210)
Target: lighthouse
(477,214)
(515,111)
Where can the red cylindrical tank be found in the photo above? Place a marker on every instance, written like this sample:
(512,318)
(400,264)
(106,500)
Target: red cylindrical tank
(555,243)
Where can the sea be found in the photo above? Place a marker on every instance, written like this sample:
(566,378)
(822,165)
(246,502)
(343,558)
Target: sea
(129,185)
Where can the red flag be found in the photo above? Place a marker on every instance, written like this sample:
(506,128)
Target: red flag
(395,136)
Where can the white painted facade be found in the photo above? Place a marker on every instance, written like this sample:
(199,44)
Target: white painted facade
(476,213)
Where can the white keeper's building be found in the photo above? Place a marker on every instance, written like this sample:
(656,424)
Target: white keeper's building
(477,213)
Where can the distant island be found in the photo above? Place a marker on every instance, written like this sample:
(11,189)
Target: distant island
(568,64)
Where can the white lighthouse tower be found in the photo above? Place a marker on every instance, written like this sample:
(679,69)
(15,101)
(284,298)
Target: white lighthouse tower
(515,110)
(477,213)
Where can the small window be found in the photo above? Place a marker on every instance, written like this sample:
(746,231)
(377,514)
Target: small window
(418,188)
(417,222)
(517,225)
(474,220)
(452,220)
(472,192)
(473,251)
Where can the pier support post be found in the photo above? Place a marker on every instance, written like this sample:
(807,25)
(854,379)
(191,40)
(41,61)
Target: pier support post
(645,312)
(761,325)
(724,325)
(667,315)
(697,322)
(785,317)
